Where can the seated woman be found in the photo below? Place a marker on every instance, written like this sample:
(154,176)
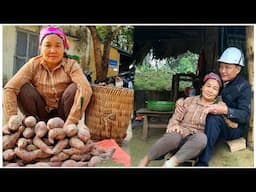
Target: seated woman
(185,130)
(50,84)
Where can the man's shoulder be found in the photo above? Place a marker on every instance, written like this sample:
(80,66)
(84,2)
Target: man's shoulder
(241,78)
(242,82)
(239,86)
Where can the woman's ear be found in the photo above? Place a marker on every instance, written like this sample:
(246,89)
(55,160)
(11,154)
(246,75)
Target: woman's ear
(238,67)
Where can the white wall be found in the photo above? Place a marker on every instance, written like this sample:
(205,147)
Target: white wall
(9,43)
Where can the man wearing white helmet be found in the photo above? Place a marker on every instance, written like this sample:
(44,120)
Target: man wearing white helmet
(228,121)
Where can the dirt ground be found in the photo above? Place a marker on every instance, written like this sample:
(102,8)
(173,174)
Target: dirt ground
(222,156)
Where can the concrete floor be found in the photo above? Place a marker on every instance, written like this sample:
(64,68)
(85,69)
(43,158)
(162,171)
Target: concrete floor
(137,148)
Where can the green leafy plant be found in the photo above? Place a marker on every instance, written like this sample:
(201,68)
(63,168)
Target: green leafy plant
(149,77)
(75,57)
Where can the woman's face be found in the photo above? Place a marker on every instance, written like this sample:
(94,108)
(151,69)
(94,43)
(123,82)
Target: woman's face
(210,89)
(228,71)
(52,49)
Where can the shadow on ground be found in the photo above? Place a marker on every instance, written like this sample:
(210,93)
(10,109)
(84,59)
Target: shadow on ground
(137,148)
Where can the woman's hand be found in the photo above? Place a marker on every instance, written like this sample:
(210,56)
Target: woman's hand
(175,128)
(68,122)
(230,123)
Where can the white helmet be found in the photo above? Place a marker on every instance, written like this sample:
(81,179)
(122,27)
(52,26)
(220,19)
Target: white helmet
(232,55)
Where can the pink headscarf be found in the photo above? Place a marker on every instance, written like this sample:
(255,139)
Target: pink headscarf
(53,30)
(213,76)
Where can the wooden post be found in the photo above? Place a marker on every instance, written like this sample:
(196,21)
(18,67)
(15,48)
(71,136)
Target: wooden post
(249,54)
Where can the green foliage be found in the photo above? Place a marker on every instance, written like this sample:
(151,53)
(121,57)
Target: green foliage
(75,57)
(185,63)
(123,38)
(149,77)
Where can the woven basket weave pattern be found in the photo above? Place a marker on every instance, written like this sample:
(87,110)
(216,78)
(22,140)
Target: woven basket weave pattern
(109,112)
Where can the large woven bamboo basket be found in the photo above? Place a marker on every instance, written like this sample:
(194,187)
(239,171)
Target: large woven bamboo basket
(109,112)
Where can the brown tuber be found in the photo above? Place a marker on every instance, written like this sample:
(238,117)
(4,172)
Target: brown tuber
(9,154)
(83,132)
(28,133)
(56,133)
(14,122)
(76,143)
(37,141)
(30,121)
(41,129)
(9,141)
(6,129)
(70,130)
(55,122)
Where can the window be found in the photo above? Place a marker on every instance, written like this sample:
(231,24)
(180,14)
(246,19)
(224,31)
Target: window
(26,47)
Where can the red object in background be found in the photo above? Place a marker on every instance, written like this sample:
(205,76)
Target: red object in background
(186,91)
(139,117)
(119,156)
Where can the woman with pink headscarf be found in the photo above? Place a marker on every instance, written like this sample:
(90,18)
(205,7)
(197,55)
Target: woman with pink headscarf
(185,136)
(50,84)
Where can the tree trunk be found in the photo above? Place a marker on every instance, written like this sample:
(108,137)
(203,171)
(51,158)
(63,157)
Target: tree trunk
(97,54)
(102,60)
(106,50)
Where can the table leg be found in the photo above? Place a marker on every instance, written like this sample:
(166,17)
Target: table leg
(145,128)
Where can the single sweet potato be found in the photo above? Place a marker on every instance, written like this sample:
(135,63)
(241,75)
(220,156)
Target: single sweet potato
(76,143)
(9,154)
(59,157)
(60,146)
(14,122)
(82,157)
(22,142)
(70,130)
(27,156)
(83,132)
(72,151)
(28,133)
(6,130)
(30,121)
(42,155)
(56,133)
(41,129)
(9,141)
(37,141)
(55,122)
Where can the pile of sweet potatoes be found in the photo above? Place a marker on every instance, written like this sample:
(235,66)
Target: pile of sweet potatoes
(27,142)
